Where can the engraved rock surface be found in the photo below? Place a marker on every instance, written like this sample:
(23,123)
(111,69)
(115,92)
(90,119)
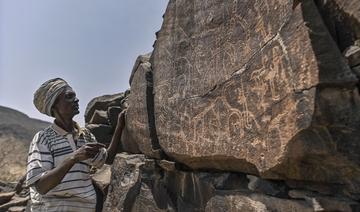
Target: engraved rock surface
(245,106)
(258,87)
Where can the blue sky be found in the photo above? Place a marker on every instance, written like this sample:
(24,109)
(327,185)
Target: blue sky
(92,44)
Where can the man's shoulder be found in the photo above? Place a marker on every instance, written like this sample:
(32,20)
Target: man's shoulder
(44,133)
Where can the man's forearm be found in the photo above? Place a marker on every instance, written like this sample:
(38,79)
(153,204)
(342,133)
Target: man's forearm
(54,176)
(113,147)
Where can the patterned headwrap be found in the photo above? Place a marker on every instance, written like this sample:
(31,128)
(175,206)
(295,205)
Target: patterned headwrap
(45,96)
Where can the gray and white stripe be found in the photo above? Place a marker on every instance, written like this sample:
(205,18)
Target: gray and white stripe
(75,192)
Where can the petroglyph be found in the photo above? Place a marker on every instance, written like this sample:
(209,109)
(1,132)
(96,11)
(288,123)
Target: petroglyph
(207,58)
(238,81)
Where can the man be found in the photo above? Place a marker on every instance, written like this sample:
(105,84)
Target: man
(61,155)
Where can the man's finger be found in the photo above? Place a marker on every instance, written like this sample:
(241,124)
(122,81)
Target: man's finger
(90,154)
(92,149)
(97,145)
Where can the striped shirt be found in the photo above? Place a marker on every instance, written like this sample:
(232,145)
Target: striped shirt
(75,192)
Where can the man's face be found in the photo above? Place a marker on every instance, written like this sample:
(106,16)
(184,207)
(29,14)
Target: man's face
(67,104)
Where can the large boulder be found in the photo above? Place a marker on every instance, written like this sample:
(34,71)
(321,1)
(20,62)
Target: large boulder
(258,87)
(140,131)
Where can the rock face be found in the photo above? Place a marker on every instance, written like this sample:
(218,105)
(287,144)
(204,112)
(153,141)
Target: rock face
(140,184)
(255,86)
(245,106)
(342,19)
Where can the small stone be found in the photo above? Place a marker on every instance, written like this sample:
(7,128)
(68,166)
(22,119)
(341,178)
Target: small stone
(6,197)
(17,209)
(167,165)
(16,201)
(261,185)
(300,194)
(352,54)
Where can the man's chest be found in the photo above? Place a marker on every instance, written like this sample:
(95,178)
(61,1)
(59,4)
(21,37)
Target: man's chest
(62,146)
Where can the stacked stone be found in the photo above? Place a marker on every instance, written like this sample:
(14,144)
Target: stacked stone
(101,115)
(142,184)
(13,197)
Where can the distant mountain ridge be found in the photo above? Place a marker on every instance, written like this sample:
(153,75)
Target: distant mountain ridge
(18,124)
(16,132)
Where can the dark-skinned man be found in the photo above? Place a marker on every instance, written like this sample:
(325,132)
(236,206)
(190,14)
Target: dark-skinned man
(61,155)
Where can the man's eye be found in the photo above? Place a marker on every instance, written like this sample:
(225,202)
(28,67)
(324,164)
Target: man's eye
(69,96)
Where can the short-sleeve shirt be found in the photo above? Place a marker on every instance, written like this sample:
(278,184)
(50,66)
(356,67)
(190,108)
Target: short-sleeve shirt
(48,150)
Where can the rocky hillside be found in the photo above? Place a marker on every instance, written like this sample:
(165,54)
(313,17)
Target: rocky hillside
(245,105)
(16,133)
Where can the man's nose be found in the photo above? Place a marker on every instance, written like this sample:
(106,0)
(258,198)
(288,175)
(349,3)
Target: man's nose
(76,100)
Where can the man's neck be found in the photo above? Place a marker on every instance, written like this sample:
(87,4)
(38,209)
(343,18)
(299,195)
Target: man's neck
(67,125)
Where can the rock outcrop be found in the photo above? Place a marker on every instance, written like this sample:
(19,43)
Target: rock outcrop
(142,184)
(101,115)
(245,106)
(255,86)
(140,127)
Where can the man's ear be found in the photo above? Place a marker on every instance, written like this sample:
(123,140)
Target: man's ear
(53,110)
